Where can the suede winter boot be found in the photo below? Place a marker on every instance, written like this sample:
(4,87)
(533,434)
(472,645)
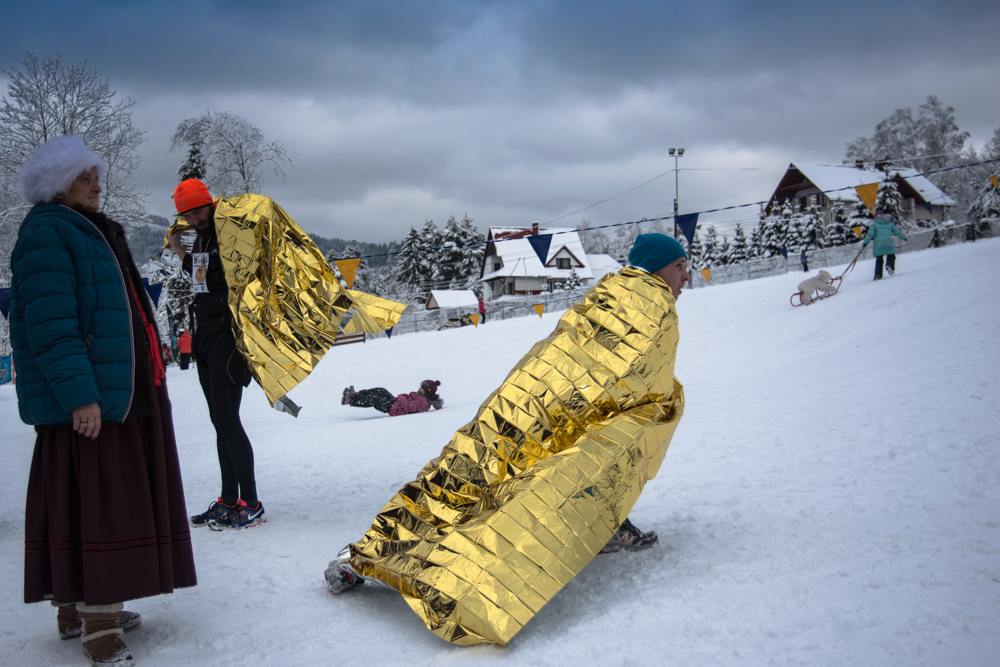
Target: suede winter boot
(71,627)
(102,636)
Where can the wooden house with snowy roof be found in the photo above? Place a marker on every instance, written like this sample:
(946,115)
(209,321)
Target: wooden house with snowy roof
(511,265)
(803,182)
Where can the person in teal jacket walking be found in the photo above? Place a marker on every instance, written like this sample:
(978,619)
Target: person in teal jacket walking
(881,232)
(105,518)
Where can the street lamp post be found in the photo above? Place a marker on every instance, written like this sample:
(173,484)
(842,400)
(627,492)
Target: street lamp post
(676,153)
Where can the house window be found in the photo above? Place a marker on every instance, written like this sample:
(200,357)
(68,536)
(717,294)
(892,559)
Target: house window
(562,263)
(497,265)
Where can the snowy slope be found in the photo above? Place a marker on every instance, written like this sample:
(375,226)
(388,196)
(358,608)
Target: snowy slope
(831,497)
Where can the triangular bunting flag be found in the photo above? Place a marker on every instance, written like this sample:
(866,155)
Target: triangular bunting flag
(995,181)
(929,206)
(5,293)
(868,193)
(687,224)
(388,332)
(541,243)
(153,291)
(475,319)
(348,269)
(857,231)
(539,308)
(706,273)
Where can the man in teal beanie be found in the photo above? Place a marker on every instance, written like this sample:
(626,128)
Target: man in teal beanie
(662,256)
(659,255)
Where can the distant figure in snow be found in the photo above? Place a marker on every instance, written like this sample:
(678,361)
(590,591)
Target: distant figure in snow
(818,283)
(382,400)
(802,256)
(184,349)
(970,232)
(936,240)
(881,232)
(482,311)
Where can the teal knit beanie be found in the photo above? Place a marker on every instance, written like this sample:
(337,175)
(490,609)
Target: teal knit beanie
(654,251)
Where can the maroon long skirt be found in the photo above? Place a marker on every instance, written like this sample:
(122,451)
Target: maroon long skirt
(105,519)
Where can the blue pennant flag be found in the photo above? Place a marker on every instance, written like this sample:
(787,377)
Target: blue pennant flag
(687,223)
(541,243)
(929,206)
(388,332)
(153,291)
(5,293)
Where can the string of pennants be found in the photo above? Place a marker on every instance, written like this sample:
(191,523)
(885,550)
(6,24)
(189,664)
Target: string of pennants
(153,290)
(347,268)
(686,222)
(6,294)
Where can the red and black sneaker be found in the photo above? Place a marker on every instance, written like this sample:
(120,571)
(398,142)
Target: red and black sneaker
(217,511)
(630,538)
(241,516)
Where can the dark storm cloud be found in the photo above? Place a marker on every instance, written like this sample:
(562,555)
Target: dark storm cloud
(400,111)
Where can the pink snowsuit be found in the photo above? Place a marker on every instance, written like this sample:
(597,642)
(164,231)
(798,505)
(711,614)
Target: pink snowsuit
(407,404)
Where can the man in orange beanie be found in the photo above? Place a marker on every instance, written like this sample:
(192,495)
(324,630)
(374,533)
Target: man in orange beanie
(222,369)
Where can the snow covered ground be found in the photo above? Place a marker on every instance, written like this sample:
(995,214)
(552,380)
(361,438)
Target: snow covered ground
(832,496)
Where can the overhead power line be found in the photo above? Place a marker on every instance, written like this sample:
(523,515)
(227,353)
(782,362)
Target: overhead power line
(719,209)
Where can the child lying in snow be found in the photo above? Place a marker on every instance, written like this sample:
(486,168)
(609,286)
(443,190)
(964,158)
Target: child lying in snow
(379,398)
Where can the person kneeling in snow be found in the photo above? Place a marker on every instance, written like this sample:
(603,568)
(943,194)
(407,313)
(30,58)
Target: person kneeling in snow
(544,475)
(821,282)
(379,398)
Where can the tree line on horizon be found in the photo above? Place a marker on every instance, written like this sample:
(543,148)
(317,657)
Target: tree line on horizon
(47,97)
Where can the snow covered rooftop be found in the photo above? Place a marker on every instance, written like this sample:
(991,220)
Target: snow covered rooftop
(512,247)
(931,193)
(451,298)
(839,181)
(601,265)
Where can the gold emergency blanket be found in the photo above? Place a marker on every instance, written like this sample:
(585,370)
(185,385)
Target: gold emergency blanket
(287,304)
(525,495)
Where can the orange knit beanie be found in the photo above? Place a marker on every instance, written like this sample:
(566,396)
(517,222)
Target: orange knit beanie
(191,194)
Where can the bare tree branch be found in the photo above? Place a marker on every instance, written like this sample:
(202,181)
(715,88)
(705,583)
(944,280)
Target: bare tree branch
(234,151)
(48,98)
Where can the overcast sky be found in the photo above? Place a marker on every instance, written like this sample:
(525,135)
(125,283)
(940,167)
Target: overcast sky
(397,112)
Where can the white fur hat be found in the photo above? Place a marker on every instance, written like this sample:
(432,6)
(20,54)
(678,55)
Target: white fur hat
(53,167)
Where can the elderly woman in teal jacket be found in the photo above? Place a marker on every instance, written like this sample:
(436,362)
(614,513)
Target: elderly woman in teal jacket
(105,519)
(881,232)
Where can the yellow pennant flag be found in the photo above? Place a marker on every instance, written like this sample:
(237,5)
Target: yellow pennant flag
(475,319)
(539,308)
(706,273)
(348,269)
(857,230)
(995,181)
(868,193)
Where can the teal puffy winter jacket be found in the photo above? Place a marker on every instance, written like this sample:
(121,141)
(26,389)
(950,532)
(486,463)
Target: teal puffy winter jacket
(70,323)
(881,231)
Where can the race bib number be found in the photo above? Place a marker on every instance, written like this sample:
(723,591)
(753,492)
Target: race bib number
(199,272)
